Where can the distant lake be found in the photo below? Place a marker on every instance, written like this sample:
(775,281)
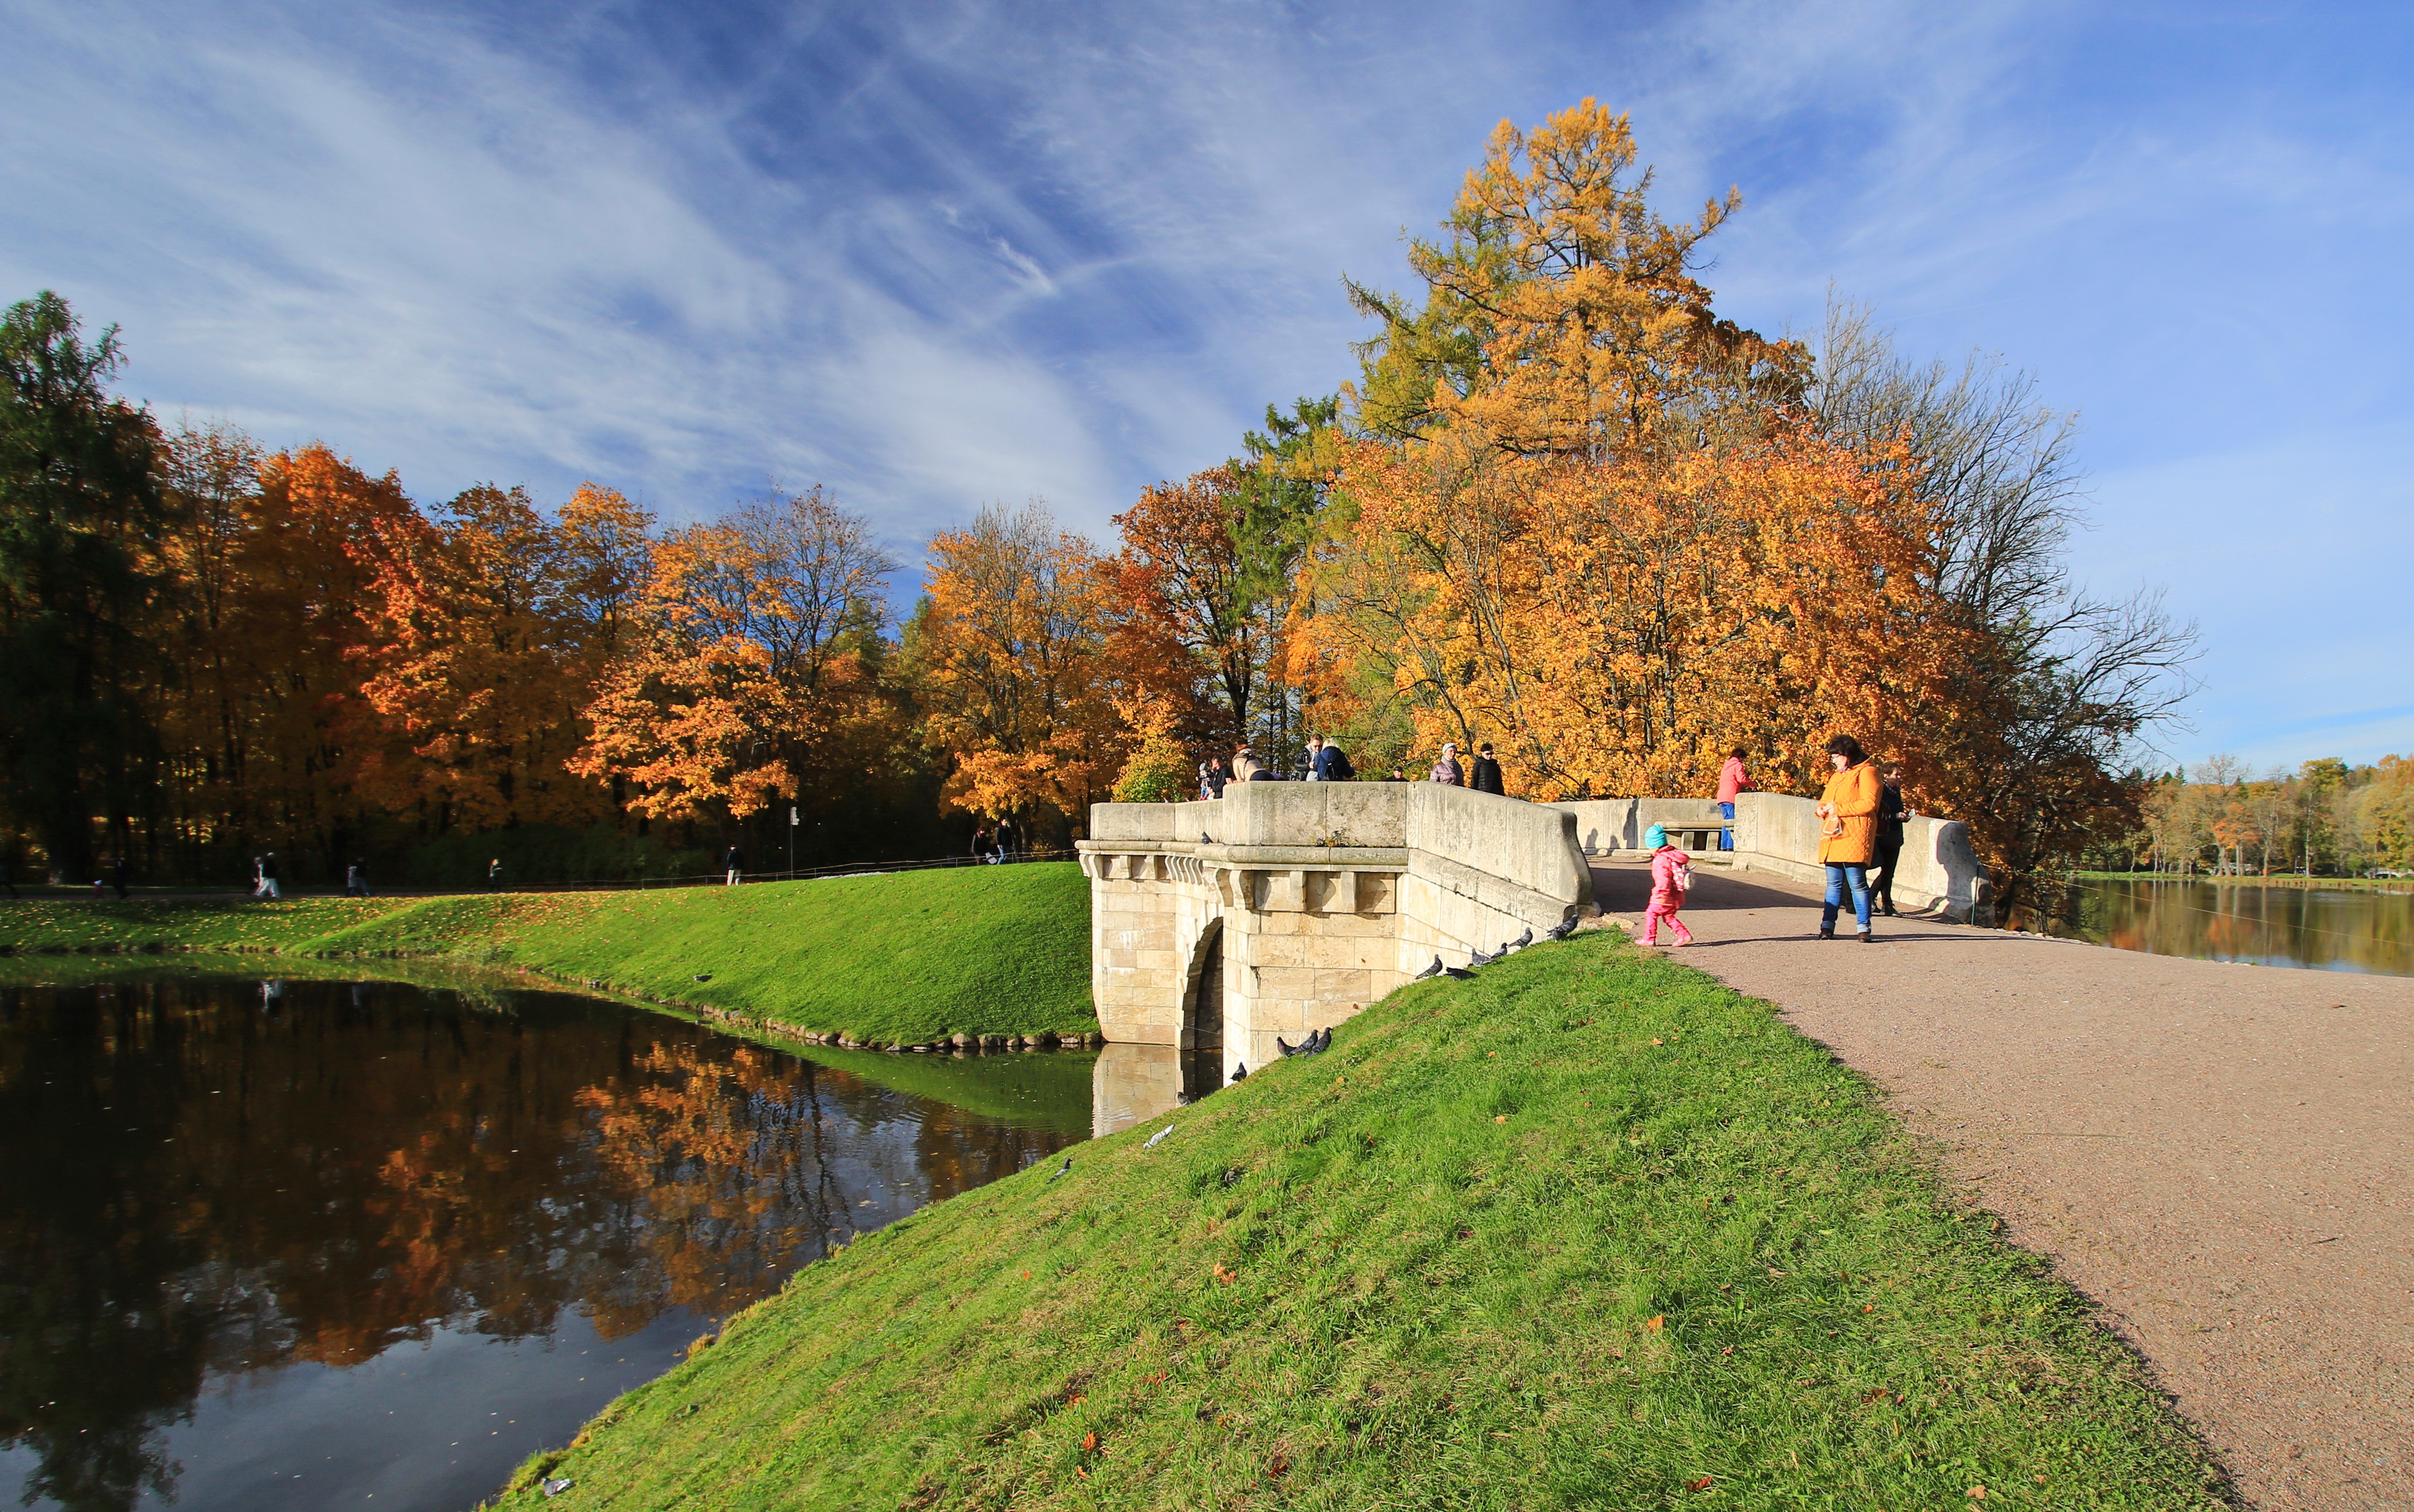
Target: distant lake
(2322,928)
(308,1244)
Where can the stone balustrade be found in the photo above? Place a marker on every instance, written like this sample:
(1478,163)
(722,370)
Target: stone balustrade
(1287,907)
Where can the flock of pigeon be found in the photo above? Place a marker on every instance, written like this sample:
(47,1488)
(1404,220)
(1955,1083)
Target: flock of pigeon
(1476,958)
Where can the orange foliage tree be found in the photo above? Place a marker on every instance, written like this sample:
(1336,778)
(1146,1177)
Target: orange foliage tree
(752,662)
(1009,648)
(1585,518)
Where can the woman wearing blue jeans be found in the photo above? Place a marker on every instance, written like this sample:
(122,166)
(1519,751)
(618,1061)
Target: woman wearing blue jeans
(1848,832)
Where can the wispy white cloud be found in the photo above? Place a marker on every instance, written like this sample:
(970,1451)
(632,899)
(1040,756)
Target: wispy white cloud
(947,254)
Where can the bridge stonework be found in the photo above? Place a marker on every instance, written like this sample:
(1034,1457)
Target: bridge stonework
(1287,907)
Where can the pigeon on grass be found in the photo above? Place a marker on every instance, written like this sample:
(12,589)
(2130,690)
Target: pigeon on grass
(1321,1041)
(1521,941)
(1159,1137)
(1287,1051)
(1459,973)
(1060,1170)
(704,976)
(1477,957)
(554,1487)
(1240,1072)
(1435,970)
(1561,929)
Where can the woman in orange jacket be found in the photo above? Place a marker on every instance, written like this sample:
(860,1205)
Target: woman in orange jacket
(1848,832)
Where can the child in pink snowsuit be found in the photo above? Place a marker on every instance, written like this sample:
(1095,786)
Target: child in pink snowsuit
(1671,871)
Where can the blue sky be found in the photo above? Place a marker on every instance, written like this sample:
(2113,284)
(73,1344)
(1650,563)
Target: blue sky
(936,255)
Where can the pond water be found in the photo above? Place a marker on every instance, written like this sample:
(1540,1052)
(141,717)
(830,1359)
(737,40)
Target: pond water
(2324,929)
(317,1244)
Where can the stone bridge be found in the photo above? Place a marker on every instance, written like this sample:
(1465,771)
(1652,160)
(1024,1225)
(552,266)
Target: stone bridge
(1287,907)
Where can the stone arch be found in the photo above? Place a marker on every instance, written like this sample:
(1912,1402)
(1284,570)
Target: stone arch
(1203,991)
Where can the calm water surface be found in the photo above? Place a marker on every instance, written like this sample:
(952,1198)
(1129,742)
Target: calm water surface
(319,1244)
(2332,929)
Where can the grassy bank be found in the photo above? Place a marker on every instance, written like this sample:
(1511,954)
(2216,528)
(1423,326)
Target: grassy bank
(903,959)
(1590,1230)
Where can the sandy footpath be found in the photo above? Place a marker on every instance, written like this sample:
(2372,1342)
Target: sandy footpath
(2223,1156)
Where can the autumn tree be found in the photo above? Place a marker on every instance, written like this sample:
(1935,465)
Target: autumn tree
(1585,516)
(751,663)
(475,661)
(1008,648)
(79,516)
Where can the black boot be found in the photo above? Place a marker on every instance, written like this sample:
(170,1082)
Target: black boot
(1864,937)
(1826,931)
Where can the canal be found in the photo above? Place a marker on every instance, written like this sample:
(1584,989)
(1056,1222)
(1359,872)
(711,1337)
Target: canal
(290,1244)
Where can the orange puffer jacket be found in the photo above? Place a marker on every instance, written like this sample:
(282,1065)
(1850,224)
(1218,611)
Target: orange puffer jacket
(1852,795)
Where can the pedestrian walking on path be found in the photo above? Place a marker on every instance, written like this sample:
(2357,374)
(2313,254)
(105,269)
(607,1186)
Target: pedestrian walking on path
(1891,814)
(1733,780)
(1486,777)
(1848,828)
(734,865)
(356,878)
(268,877)
(1331,763)
(1672,877)
(1446,769)
(494,875)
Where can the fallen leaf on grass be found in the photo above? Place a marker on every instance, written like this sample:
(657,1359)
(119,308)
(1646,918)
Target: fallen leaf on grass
(1977,1493)
(1654,1323)
(1871,1308)
(1703,1484)
(1775,1271)
(1501,1118)
(1659,1041)
(1224,1276)
(1090,1441)
(1729,1350)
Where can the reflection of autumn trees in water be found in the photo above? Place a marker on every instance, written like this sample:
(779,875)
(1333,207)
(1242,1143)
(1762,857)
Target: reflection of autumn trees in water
(203,1183)
(2350,930)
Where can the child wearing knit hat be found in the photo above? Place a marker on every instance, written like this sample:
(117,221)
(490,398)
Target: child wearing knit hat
(1672,877)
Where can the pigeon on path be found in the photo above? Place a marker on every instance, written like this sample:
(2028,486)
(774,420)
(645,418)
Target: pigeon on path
(1435,970)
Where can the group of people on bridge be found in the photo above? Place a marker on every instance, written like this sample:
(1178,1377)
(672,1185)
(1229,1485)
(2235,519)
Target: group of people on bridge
(1861,815)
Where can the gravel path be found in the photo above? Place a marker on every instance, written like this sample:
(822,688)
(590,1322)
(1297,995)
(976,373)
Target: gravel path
(2222,1156)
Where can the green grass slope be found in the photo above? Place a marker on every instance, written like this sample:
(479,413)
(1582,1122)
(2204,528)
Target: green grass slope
(899,958)
(1589,1231)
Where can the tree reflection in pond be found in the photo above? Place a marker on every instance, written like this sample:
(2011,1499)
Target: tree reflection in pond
(209,1183)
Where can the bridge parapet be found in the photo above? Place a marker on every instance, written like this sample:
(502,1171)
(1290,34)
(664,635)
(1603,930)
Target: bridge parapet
(1287,907)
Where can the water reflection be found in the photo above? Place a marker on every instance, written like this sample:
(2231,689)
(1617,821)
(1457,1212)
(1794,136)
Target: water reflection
(1133,1082)
(290,1244)
(2335,928)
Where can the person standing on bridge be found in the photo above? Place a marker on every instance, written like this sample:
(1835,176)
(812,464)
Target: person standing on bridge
(1892,812)
(1446,769)
(1848,827)
(1331,763)
(1486,776)
(1733,780)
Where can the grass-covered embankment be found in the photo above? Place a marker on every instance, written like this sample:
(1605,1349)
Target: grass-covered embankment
(1590,1230)
(900,958)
